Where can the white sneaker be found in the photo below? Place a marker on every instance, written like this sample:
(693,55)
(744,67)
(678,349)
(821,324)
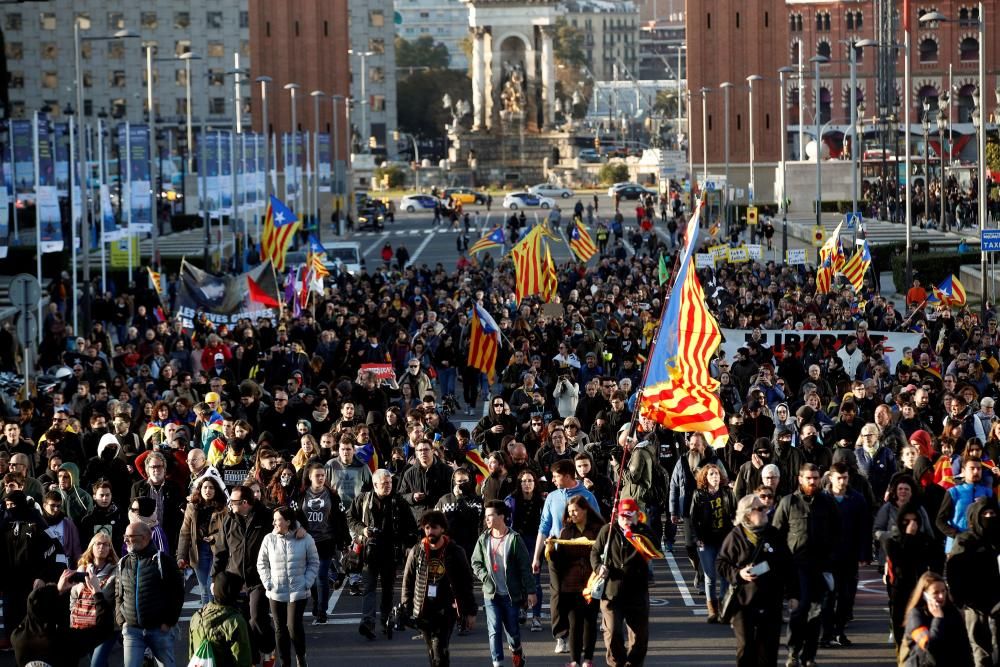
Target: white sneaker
(561,645)
(536,624)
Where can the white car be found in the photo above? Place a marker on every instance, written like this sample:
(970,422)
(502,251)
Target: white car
(550,190)
(516,200)
(418,202)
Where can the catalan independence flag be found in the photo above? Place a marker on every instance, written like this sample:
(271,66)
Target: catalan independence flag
(475,458)
(834,251)
(857,266)
(156,280)
(528,264)
(484,341)
(316,254)
(680,393)
(367,454)
(280,225)
(581,243)
(824,277)
(950,292)
(495,239)
(550,282)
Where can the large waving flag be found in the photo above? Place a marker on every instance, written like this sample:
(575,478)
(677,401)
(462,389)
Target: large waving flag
(316,254)
(680,393)
(367,454)
(950,292)
(580,242)
(528,264)
(280,225)
(550,283)
(495,239)
(259,295)
(857,266)
(833,250)
(484,341)
(824,276)
(157,281)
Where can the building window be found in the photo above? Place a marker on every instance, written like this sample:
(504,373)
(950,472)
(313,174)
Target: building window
(49,51)
(709,21)
(116,21)
(116,79)
(16,80)
(737,20)
(376,18)
(326,28)
(182,46)
(214,20)
(928,50)
(216,77)
(376,74)
(376,44)
(244,19)
(14,50)
(968,50)
(859,20)
(180,107)
(156,77)
(116,49)
(795,22)
(378,103)
(88,107)
(47,20)
(968,16)
(182,20)
(739,122)
(50,80)
(86,50)
(216,50)
(795,52)
(709,122)
(12,21)
(118,108)
(180,77)
(217,106)
(149,21)
(296,28)
(88,79)
(822,21)
(267,28)
(83,20)
(823,49)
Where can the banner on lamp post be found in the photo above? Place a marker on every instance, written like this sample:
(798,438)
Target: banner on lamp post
(140,180)
(325,166)
(46,194)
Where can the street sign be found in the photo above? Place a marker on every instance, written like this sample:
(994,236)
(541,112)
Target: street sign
(818,235)
(751,215)
(710,186)
(852,220)
(24,291)
(990,239)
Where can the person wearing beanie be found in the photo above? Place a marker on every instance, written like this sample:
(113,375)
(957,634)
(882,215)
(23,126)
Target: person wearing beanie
(759,590)
(221,624)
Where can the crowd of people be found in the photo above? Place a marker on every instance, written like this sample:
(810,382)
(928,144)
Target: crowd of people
(265,463)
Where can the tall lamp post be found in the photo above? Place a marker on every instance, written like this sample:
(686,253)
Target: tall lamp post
(189,125)
(935,17)
(293,146)
(338,183)
(750,81)
(82,160)
(925,123)
(942,124)
(317,95)
(365,134)
(704,135)
(817,61)
(726,87)
(266,131)
(782,72)
(202,140)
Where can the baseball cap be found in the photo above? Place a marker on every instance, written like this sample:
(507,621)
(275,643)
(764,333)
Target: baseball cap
(219,357)
(627,506)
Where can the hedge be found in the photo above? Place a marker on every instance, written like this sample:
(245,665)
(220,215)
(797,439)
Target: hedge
(931,268)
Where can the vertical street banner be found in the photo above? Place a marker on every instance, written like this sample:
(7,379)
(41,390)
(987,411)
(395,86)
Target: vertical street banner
(226,172)
(4,202)
(46,194)
(61,134)
(288,154)
(110,231)
(211,167)
(23,148)
(140,180)
(325,166)
(261,170)
(248,146)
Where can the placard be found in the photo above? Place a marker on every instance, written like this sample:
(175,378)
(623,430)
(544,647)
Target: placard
(704,260)
(739,255)
(381,371)
(796,257)
(755,250)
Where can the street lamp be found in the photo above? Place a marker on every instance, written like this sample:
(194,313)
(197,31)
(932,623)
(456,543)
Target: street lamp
(782,72)
(925,123)
(364,55)
(859,134)
(726,87)
(187,58)
(750,81)
(81,158)
(337,179)
(317,95)
(265,130)
(942,123)
(817,61)
(293,146)
(704,135)
(416,155)
(935,17)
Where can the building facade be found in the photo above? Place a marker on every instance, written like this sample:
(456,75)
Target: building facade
(731,40)
(611,36)
(447,21)
(39,46)
(373,78)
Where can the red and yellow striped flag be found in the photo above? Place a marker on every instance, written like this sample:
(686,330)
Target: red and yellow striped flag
(680,393)
(857,266)
(280,225)
(316,264)
(528,264)
(580,242)
(484,342)
(550,283)
(155,279)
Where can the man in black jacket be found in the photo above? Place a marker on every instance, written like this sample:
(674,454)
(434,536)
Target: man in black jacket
(237,546)
(626,594)
(423,483)
(809,523)
(170,500)
(149,594)
(437,578)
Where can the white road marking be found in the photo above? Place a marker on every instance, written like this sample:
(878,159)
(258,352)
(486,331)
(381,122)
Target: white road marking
(375,245)
(679,580)
(420,248)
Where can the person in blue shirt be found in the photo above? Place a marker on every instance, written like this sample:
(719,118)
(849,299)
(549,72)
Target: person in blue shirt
(551,525)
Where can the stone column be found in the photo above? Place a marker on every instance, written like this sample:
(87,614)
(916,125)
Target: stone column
(548,78)
(478,79)
(489,92)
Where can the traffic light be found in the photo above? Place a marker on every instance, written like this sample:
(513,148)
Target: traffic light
(395,135)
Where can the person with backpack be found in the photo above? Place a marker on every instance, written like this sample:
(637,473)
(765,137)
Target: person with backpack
(643,478)
(220,625)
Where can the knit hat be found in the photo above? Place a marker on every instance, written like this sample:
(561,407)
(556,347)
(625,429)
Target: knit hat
(627,506)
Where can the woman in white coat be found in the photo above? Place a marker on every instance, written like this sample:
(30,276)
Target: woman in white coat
(288,569)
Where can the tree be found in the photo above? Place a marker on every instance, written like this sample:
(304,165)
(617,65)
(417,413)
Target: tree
(993,156)
(666,103)
(567,45)
(420,110)
(613,173)
(421,53)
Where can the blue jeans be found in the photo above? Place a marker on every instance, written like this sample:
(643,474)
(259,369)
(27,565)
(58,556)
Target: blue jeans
(708,554)
(446,380)
(501,621)
(321,589)
(203,573)
(137,640)
(101,656)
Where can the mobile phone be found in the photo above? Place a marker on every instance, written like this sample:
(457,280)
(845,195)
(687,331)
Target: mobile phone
(760,568)
(78,577)
(928,598)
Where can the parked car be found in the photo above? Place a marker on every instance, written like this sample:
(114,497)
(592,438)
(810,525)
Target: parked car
(464,195)
(516,200)
(550,190)
(618,186)
(418,202)
(590,156)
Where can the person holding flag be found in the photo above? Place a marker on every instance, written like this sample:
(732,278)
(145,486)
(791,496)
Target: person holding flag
(280,226)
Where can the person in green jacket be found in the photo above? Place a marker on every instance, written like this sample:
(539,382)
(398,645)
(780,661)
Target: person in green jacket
(222,625)
(502,564)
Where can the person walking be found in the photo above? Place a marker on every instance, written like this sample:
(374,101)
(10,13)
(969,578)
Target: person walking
(502,564)
(712,512)
(625,605)
(326,523)
(934,630)
(910,551)
(203,518)
(288,569)
(571,564)
(221,624)
(755,560)
(149,594)
(100,561)
(437,578)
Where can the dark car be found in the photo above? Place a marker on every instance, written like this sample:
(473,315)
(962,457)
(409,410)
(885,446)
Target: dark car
(633,192)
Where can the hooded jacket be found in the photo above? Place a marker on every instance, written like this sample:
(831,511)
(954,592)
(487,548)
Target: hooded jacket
(482,434)
(77,503)
(971,569)
(224,627)
(111,467)
(46,637)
